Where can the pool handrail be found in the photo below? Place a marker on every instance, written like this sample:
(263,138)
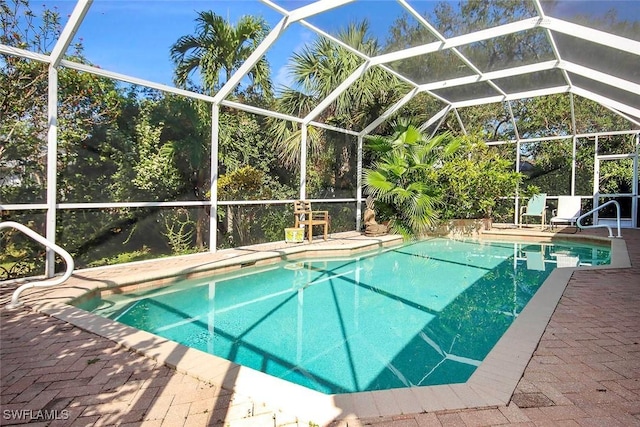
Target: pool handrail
(578,221)
(50,245)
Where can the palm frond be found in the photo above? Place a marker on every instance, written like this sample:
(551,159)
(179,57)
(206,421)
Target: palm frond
(404,168)
(218,49)
(378,143)
(376,182)
(398,227)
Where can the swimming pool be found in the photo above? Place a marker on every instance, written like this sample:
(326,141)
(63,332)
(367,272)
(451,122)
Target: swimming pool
(424,313)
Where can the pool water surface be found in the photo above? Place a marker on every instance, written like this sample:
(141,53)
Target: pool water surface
(424,313)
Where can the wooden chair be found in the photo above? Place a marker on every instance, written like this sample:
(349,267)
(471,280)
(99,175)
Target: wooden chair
(305,216)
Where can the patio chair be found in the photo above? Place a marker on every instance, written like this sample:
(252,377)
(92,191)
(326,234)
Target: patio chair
(307,217)
(536,207)
(568,211)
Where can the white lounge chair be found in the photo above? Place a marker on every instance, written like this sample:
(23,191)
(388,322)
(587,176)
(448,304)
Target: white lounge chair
(568,210)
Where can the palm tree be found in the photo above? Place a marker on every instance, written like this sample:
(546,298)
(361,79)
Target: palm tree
(398,179)
(316,71)
(218,49)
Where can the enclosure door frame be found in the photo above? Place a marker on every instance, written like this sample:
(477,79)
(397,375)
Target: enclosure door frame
(597,195)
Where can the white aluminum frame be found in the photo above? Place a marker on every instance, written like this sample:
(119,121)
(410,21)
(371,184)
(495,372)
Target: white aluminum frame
(547,23)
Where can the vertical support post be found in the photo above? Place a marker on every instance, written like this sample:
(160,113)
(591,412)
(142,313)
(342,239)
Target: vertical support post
(574,147)
(634,198)
(359,184)
(213,201)
(52,169)
(57,53)
(596,182)
(574,151)
(303,161)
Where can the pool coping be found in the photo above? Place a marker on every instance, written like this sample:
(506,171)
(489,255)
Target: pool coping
(491,385)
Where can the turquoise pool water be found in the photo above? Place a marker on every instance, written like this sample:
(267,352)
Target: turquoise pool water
(424,313)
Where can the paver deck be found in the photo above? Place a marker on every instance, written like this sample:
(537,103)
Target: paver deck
(585,371)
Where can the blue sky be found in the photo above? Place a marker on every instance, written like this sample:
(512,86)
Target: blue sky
(134,36)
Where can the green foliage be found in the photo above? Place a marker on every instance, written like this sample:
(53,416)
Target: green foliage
(246,224)
(19,255)
(118,142)
(244,140)
(89,235)
(179,230)
(86,103)
(241,184)
(147,164)
(316,71)
(139,255)
(25,29)
(166,155)
(474,180)
(342,216)
(88,106)
(489,122)
(398,179)
(616,176)
(155,172)
(218,49)
(273,222)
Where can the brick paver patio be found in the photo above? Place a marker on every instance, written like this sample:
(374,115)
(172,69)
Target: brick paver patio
(585,372)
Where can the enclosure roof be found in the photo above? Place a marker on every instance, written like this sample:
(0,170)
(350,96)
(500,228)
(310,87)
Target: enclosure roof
(454,56)
(590,49)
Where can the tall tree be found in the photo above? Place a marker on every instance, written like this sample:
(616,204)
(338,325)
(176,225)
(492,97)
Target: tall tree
(216,51)
(316,71)
(87,105)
